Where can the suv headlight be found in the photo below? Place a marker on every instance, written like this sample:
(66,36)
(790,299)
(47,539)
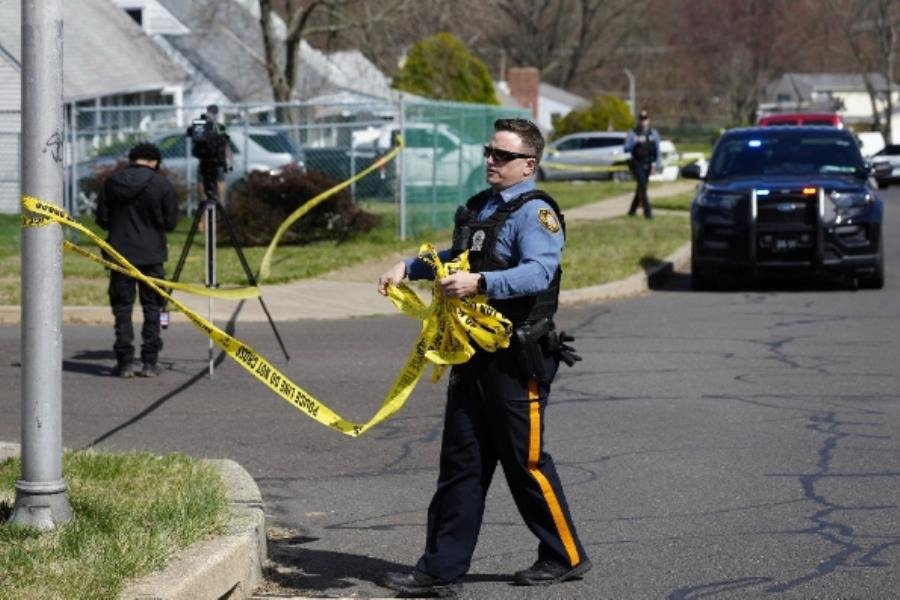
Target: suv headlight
(723,200)
(850,200)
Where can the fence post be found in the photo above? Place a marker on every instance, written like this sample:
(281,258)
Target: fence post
(402,170)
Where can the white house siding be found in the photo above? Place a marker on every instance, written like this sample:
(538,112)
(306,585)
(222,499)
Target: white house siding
(155,19)
(10,125)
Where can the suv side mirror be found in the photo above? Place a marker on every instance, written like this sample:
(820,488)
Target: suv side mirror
(691,171)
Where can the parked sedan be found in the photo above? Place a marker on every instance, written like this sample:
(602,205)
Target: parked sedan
(889,155)
(586,155)
(252,148)
(786,198)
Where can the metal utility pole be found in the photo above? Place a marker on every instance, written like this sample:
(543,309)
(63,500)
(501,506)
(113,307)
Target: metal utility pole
(41,494)
(631,99)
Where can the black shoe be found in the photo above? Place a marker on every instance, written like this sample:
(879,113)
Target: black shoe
(421,585)
(123,370)
(149,370)
(545,572)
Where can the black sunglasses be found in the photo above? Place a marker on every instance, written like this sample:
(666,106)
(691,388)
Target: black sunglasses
(503,155)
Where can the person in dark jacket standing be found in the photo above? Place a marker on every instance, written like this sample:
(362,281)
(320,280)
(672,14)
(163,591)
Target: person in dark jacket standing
(138,206)
(643,144)
(514,235)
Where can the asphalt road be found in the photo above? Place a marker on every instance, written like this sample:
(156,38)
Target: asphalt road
(737,444)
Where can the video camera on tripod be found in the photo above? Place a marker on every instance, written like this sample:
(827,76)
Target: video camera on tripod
(209,144)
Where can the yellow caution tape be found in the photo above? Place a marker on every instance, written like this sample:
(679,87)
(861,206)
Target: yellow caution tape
(548,162)
(265,265)
(240,293)
(447,326)
(583,168)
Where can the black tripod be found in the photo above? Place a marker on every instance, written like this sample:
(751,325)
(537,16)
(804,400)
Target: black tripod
(207,211)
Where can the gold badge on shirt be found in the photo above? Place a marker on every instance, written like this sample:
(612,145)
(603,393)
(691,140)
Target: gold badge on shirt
(548,219)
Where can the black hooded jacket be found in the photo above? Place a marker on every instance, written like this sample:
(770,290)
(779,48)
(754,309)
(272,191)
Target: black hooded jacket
(138,206)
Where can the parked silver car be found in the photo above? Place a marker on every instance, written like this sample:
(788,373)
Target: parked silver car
(252,149)
(889,156)
(586,155)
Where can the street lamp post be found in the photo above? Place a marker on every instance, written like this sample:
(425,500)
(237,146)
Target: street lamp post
(631,100)
(42,499)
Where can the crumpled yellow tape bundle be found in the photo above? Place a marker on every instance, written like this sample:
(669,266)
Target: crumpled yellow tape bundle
(447,326)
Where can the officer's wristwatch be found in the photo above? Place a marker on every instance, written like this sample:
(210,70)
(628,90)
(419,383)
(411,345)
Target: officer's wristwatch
(482,284)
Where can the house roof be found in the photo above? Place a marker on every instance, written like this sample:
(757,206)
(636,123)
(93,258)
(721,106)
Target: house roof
(806,83)
(104,51)
(225,44)
(562,96)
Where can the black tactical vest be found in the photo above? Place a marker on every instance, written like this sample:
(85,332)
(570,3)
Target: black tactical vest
(480,239)
(642,152)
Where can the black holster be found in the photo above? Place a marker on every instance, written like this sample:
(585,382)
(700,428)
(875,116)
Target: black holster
(527,349)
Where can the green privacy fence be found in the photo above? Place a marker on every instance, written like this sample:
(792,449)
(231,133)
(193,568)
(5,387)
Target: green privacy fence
(442,164)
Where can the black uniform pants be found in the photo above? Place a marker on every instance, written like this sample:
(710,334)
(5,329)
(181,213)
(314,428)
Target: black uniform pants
(641,174)
(493,415)
(121,299)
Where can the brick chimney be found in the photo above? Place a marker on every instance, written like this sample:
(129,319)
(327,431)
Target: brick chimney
(523,85)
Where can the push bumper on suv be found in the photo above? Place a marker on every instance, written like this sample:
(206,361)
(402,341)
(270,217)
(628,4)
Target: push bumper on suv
(789,229)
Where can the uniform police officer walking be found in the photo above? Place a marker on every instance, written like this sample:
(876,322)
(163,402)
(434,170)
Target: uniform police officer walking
(137,206)
(496,401)
(643,143)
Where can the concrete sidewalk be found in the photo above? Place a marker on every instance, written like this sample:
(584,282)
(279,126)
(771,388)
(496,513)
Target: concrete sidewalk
(350,292)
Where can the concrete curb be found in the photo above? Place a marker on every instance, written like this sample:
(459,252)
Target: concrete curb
(224,566)
(633,285)
(229,565)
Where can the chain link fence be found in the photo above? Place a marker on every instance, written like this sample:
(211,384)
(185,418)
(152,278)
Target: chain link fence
(440,166)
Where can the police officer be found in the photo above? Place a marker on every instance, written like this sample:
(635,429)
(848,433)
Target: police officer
(643,143)
(496,401)
(138,206)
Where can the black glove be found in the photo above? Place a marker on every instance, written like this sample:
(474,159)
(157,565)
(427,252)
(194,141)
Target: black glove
(566,352)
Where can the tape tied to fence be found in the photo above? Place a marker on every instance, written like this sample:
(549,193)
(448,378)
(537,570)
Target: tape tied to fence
(265,264)
(448,325)
(614,168)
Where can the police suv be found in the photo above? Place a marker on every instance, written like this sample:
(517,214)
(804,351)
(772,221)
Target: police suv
(786,198)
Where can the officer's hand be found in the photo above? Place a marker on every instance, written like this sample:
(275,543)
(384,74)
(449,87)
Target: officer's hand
(460,284)
(566,352)
(392,276)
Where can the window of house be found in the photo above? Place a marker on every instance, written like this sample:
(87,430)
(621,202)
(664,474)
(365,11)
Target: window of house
(137,14)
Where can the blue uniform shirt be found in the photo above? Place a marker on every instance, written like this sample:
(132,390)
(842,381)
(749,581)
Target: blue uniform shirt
(526,241)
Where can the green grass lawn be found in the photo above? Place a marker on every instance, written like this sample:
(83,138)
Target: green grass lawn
(86,282)
(132,513)
(599,252)
(678,202)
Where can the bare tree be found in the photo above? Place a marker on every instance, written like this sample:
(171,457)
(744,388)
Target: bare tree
(568,40)
(310,17)
(870,28)
(723,44)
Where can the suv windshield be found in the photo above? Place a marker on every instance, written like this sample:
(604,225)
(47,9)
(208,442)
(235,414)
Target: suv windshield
(791,152)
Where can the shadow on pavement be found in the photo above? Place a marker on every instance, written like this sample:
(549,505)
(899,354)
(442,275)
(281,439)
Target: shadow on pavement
(296,569)
(785,282)
(219,359)
(88,362)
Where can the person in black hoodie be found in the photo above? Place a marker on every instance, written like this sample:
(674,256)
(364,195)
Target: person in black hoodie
(138,206)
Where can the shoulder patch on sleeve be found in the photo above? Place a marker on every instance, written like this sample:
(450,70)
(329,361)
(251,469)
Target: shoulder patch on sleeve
(548,220)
